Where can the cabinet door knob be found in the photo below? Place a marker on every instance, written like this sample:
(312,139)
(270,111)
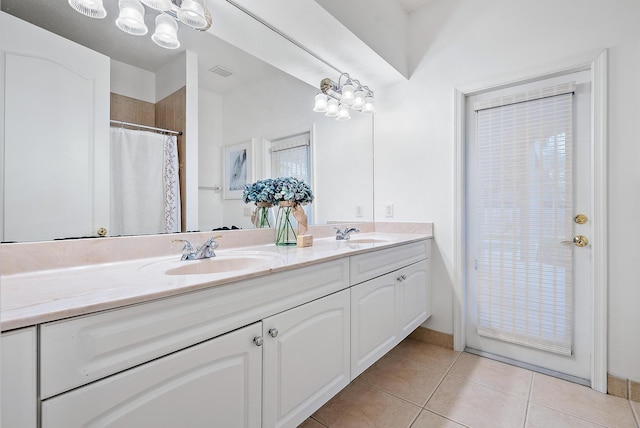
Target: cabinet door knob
(273,332)
(402,278)
(258,340)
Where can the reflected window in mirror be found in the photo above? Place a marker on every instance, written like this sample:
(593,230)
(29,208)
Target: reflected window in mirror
(290,156)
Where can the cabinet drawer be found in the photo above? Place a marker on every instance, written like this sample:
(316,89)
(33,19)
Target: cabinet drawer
(84,349)
(214,384)
(371,265)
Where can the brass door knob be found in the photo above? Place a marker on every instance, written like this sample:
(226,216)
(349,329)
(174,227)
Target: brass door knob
(578,241)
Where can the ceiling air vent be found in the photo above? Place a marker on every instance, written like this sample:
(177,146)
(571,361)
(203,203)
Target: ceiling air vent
(221,71)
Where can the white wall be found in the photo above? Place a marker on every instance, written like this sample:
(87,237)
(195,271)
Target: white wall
(133,82)
(209,159)
(458,44)
(171,77)
(279,105)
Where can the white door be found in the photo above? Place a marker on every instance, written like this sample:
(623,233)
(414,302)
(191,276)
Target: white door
(56,149)
(527,178)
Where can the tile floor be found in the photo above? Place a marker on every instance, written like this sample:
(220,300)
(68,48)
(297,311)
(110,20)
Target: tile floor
(420,385)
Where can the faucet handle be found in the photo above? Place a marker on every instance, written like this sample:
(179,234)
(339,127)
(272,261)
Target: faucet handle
(187,250)
(206,250)
(187,244)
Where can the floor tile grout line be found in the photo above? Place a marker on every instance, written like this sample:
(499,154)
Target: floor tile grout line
(424,406)
(526,412)
(446,417)
(389,393)
(487,386)
(325,426)
(635,414)
(582,418)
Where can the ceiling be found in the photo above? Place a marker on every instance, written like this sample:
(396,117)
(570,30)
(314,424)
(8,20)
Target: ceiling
(411,6)
(103,36)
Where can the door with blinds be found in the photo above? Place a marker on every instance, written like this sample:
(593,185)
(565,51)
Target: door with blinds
(528,273)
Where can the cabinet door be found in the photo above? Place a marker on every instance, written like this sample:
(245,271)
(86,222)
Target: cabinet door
(306,359)
(374,321)
(214,384)
(415,296)
(18,379)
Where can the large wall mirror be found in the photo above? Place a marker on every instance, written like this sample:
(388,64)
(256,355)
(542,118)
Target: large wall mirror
(256,108)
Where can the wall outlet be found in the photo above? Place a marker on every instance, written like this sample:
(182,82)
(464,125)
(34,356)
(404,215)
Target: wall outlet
(388,210)
(247,211)
(359,211)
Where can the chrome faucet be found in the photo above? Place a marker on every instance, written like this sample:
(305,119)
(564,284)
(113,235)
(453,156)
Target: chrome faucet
(205,251)
(344,235)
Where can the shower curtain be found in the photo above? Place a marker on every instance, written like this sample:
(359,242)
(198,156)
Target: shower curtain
(145,191)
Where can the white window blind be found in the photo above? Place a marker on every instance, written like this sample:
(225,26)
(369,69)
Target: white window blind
(525,210)
(290,157)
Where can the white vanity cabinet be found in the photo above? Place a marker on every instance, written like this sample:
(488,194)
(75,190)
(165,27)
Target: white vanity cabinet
(387,308)
(18,382)
(213,384)
(306,359)
(260,352)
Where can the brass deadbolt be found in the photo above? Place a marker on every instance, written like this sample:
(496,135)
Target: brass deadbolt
(581,219)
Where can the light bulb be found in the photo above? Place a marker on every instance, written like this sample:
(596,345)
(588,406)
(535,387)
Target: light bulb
(166,34)
(343,112)
(131,18)
(161,5)
(90,8)
(191,13)
(321,103)
(348,94)
(369,105)
(332,108)
(358,101)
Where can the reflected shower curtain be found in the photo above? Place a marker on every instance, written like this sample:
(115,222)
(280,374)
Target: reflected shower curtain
(145,191)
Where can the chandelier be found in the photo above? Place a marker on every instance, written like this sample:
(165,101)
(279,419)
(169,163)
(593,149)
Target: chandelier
(336,99)
(192,13)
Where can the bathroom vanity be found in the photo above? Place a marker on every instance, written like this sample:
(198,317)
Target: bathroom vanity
(264,346)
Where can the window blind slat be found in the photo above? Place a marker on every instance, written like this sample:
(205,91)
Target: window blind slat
(525,208)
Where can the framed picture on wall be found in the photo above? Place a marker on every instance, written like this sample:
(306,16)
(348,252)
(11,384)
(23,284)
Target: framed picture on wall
(237,169)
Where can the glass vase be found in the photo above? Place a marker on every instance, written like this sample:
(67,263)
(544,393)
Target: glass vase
(285,230)
(263,216)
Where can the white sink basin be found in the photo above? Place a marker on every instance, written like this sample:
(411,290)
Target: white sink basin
(365,241)
(222,263)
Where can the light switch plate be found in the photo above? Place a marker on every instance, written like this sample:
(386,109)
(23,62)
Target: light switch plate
(388,211)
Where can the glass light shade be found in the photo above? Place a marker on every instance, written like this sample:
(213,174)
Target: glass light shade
(321,103)
(358,101)
(191,13)
(343,112)
(348,95)
(131,18)
(332,108)
(166,34)
(90,8)
(161,5)
(369,105)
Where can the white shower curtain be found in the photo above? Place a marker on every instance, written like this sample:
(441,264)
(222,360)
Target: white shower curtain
(145,191)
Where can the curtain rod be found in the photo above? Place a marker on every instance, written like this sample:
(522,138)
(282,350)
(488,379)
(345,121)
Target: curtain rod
(119,122)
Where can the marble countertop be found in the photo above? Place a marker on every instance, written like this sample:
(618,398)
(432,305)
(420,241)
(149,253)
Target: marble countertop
(39,296)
